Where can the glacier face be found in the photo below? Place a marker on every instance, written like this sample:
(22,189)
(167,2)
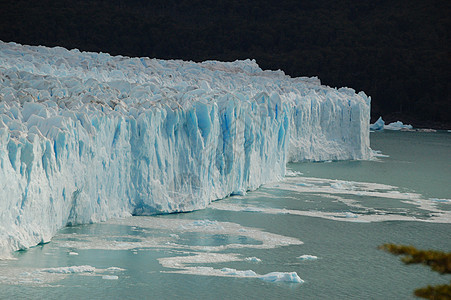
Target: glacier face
(88,136)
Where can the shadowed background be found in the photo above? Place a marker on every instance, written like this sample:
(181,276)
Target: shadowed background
(398,52)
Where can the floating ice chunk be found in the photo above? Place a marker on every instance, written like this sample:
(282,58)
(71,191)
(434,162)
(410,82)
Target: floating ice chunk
(110,277)
(73,253)
(304,184)
(308,257)
(378,125)
(398,125)
(207,225)
(440,200)
(238,273)
(291,173)
(426,130)
(114,269)
(343,185)
(378,153)
(72,269)
(282,277)
(204,223)
(253,259)
(252,209)
(350,215)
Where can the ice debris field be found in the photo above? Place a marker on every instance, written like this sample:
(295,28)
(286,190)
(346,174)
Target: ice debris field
(85,137)
(157,233)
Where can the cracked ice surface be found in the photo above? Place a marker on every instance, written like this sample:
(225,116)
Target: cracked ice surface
(85,137)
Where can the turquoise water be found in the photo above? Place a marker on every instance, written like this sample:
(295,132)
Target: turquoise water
(337,211)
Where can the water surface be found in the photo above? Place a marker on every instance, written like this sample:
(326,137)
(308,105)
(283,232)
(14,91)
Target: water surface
(339,212)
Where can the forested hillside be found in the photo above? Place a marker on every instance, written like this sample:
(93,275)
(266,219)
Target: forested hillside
(398,52)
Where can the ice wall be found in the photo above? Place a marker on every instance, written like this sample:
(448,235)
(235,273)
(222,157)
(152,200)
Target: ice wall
(87,136)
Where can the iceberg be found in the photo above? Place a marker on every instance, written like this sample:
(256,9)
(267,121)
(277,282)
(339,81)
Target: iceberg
(398,125)
(378,125)
(282,277)
(308,257)
(85,137)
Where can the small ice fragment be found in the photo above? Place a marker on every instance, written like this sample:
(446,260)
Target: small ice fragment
(282,277)
(304,184)
(308,257)
(205,222)
(253,259)
(426,130)
(253,209)
(110,277)
(115,269)
(72,269)
(291,173)
(73,253)
(234,272)
(440,200)
(350,215)
(338,186)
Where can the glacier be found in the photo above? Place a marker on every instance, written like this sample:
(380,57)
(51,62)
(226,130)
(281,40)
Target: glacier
(85,137)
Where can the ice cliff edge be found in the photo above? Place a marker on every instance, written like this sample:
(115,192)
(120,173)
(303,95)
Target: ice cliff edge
(88,136)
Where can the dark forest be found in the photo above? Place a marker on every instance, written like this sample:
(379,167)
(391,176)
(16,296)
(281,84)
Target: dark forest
(398,52)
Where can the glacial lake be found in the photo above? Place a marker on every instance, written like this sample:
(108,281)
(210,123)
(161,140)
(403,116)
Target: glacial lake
(324,221)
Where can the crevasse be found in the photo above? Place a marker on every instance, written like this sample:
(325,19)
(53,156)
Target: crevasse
(87,136)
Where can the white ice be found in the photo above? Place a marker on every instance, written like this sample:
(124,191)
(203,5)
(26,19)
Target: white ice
(45,276)
(72,269)
(308,257)
(253,259)
(398,125)
(282,277)
(85,137)
(348,193)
